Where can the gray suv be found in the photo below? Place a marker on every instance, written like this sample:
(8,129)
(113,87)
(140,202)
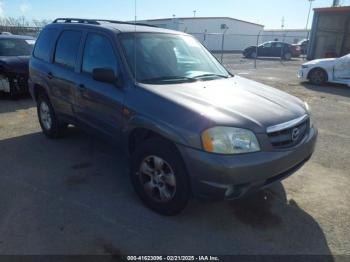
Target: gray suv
(189,127)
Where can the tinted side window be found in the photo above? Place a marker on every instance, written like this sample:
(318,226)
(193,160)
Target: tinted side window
(45,44)
(98,53)
(67,48)
(279,45)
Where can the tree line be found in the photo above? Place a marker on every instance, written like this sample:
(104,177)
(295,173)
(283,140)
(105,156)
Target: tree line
(23,22)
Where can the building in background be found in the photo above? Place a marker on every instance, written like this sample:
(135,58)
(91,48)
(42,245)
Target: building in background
(209,31)
(330,35)
(290,36)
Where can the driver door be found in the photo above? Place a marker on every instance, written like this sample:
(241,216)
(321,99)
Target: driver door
(99,105)
(265,49)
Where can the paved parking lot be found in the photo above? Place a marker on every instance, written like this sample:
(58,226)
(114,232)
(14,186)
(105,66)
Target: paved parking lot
(73,196)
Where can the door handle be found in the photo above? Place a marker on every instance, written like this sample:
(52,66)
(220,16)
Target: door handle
(49,75)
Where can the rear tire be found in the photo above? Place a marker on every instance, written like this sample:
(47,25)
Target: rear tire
(318,76)
(287,56)
(159,177)
(49,122)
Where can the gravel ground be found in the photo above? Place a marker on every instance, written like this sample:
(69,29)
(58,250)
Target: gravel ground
(73,196)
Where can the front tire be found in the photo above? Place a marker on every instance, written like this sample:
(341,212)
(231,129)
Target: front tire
(159,177)
(13,94)
(253,55)
(49,122)
(318,77)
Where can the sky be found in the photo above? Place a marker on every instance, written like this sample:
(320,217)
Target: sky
(266,12)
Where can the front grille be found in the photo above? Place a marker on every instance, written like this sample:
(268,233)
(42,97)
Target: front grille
(21,81)
(291,136)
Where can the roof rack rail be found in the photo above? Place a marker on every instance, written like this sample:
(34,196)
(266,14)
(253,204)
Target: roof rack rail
(75,20)
(125,23)
(96,21)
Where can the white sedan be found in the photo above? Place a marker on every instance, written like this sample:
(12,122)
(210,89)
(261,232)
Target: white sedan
(320,71)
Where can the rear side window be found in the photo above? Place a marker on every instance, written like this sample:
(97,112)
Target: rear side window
(98,53)
(279,45)
(67,48)
(45,44)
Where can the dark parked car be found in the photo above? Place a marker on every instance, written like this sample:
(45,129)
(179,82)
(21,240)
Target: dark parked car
(188,126)
(270,49)
(15,52)
(303,46)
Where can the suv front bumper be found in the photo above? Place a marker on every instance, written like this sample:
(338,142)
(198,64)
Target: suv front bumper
(230,177)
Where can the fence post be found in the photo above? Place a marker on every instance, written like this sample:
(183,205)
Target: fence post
(223,45)
(256,50)
(282,49)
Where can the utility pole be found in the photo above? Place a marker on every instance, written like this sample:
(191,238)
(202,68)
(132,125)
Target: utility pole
(336,3)
(308,17)
(283,21)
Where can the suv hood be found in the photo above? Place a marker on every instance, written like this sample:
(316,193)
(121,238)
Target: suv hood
(236,101)
(15,64)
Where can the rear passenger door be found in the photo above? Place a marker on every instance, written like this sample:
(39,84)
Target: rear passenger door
(99,104)
(63,74)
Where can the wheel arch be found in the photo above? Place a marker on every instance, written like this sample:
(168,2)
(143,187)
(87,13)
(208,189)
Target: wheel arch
(318,68)
(38,90)
(140,129)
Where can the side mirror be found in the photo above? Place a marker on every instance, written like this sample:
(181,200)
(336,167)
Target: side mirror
(105,75)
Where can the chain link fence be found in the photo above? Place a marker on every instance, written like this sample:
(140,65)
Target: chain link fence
(21,30)
(228,48)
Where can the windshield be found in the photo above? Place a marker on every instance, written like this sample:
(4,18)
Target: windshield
(166,58)
(16,47)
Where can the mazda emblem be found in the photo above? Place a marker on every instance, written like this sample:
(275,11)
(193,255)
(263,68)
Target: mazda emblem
(295,134)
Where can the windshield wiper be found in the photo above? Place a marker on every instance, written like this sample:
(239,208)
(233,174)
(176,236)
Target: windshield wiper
(210,75)
(168,78)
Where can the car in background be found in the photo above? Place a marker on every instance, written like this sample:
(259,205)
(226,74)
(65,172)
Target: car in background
(321,71)
(270,49)
(302,46)
(15,52)
(5,33)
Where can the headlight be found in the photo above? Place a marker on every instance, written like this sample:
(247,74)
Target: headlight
(308,109)
(304,66)
(229,141)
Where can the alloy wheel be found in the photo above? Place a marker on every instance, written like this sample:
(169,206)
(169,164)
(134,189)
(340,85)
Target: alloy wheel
(45,115)
(158,179)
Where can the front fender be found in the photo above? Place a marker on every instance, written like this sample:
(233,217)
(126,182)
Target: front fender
(165,130)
